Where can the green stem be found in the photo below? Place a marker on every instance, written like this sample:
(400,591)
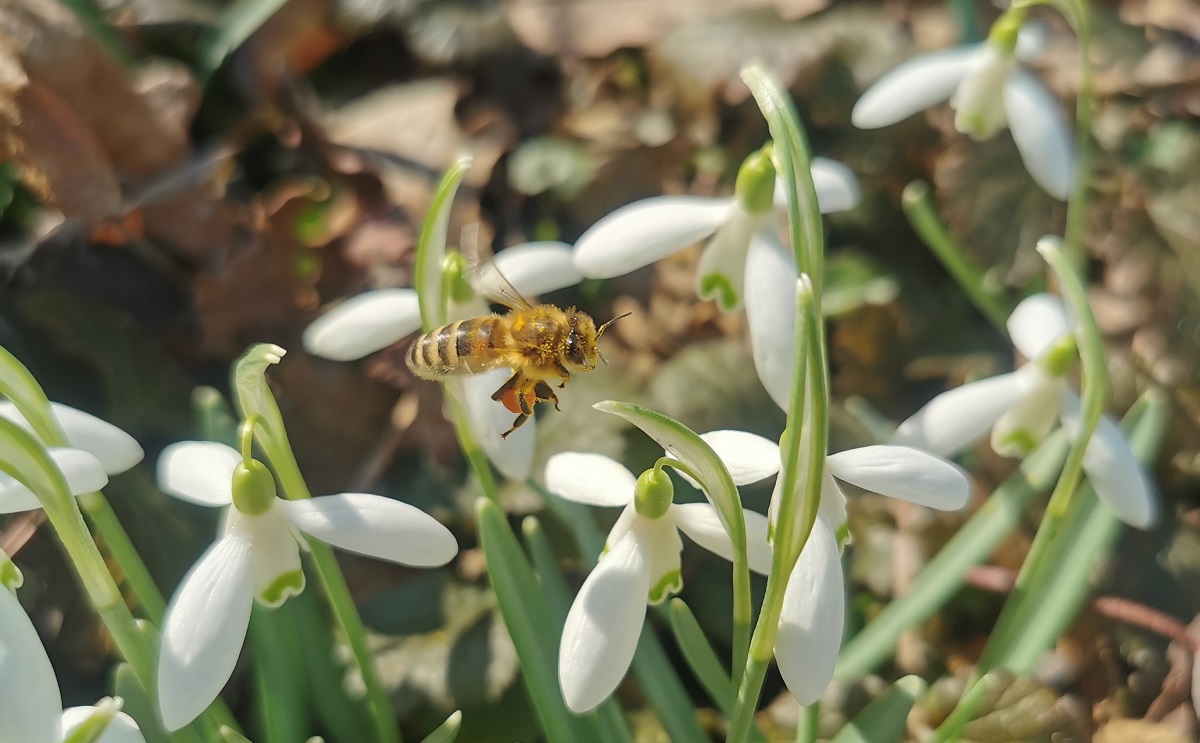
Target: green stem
(806,724)
(1078,203)
(919,208)
(115,541)
(746,701)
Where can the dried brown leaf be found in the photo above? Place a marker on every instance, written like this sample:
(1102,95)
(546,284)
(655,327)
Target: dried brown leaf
(595,28)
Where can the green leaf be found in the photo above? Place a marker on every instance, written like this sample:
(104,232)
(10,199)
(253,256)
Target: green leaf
(138,705)
(431,246)
(447,731)
(281,692)
(608,719)
(232,736)
(943,577)
(527,616)
(885,719)
(1091,528)
(700,656)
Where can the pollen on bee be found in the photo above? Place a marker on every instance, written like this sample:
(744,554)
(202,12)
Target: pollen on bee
(513,404)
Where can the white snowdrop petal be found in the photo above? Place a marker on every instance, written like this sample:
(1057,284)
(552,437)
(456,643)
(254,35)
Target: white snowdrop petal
(83,472)
(722,267)
(375,526)
(592,479)
(702,525)
(954,420)
(29,690)
(121,728)
(1118,478)
(905,473)
(1027,423)
(204,629)
(810,625)
(978,104)
(661,545)
(603,626)
(274,553)
(1041,132)
(770,288)
(641,233)
(836,185)
(538,267)
(917,84)
(363,324)
(117,450)
(198,471)
(748,456)
(1037,323)
(513,455)
(833,502)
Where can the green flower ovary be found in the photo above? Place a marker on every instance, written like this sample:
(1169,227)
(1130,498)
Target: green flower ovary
(253,487)
(755,186)
(653,494)
(1060,358)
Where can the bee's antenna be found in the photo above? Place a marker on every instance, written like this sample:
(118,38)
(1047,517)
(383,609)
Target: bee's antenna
(602,328)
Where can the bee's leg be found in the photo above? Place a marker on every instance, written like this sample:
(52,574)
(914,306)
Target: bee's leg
(543,392)
(562,372)
(517,394)
(516,424)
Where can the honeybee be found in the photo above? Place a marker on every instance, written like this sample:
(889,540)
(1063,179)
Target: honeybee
(541,343)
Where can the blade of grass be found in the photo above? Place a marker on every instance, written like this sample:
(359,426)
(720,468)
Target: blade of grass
(944,575)
(885,719)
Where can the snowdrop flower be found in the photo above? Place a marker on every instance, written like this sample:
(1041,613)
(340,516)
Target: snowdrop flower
(257,558)
(1022,407)
(32,710)
(810,625)
(645,231)
(989,90)
(376,319)
(116,450)
(641,565)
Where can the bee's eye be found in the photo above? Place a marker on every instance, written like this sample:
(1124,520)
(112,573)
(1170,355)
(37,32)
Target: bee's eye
(572,344)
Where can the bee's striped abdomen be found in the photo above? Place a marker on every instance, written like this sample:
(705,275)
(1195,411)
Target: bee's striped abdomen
(462,347)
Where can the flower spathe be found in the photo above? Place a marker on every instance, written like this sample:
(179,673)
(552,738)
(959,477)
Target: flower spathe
(257,557)
(989,89)
(641,566)
(645,231)
(1021,408)
(32,710)
(811,621)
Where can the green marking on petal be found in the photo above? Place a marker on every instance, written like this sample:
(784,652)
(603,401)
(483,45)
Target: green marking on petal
(10,574)
(669,584)
(1016,443)
(1060,358)
(717,286)
(287,584)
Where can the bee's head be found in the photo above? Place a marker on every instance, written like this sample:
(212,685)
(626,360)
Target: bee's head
(582,353)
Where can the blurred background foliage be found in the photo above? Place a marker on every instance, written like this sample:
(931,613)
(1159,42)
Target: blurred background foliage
(181,178)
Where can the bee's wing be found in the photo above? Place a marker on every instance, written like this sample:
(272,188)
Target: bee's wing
(485,276)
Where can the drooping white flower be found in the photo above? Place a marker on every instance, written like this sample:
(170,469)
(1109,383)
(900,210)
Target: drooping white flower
(376,319)
(989,90)
(258,558)
(810,625)
(1022,407)
(116,450)
(641,566)
(645,231)
(32,710)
